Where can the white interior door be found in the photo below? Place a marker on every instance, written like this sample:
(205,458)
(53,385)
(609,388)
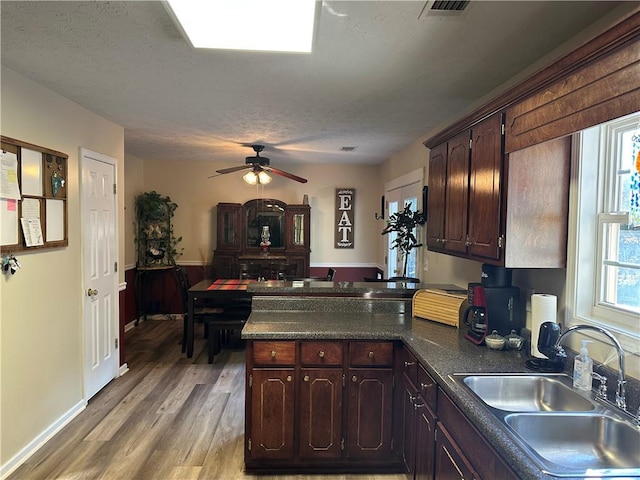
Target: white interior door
(99,228)
(397,199)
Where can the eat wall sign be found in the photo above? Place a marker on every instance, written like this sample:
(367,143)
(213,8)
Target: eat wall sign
(344,217)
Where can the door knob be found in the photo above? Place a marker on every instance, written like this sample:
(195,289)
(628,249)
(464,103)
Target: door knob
(91,292)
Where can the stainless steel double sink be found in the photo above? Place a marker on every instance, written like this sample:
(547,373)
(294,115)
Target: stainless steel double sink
(566,433)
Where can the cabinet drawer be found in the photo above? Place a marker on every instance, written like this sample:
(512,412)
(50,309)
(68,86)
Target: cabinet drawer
(428,388)
(407,364)
(321,353)
(370,353)
(274,353)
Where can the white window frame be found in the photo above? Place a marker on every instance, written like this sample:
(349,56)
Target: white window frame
(588,191)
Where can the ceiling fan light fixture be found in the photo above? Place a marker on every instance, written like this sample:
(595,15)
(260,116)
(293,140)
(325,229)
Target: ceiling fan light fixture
(264,178)
(253,178)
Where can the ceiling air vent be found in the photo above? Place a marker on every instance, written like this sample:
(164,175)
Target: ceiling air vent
(448,6)
(443,7)
(347,149)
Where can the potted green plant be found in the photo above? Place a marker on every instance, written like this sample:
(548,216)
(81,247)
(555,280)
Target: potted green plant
(155,240)
(403,223)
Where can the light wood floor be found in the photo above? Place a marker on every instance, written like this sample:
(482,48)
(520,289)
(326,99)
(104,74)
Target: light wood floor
(168,418)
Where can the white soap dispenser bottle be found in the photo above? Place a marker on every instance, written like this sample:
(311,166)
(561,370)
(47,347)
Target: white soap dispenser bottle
(582,368)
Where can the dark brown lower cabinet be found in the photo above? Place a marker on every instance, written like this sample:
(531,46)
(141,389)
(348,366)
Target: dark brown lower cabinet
(321,413)
(416,400)
(455,435)
(451,463)
(319,406)
(272,400)
(425,443)
(407,405)
(334,406)
(369,414)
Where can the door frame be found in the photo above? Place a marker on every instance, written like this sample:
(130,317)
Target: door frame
(87,154)
(409,179)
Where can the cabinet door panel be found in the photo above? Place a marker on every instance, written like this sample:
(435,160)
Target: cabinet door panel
(457,192)
(407,405)
(224,266)
(425,444)
(272,413)
(484,189)
(436,196)
(478,452)
(451,463)
(321,413)
(369,413)
(229,226)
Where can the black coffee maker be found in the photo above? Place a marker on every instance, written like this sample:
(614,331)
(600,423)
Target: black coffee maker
(493,305)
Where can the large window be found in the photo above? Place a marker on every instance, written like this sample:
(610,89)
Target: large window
(604,275)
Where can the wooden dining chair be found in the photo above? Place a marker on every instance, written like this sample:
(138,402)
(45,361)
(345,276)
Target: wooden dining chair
(201,313)
(286,270)
(222,325)
(330,274)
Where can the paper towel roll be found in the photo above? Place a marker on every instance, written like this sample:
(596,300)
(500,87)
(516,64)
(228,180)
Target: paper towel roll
(543,309)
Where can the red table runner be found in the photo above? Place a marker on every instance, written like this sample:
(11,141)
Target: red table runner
(230,284)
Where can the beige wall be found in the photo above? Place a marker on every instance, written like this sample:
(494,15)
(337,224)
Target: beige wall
(134,174)
(41,327)
(187,183)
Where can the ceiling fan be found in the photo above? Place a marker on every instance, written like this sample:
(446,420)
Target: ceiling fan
(259,166)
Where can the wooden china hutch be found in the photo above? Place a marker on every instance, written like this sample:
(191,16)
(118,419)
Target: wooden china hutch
(242,249)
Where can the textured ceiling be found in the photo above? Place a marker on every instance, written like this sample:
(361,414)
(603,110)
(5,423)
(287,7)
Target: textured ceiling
(380,77)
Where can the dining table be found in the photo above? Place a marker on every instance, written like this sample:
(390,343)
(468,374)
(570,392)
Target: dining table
(221,291)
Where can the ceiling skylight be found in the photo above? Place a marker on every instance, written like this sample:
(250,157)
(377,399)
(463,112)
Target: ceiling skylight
(263,25)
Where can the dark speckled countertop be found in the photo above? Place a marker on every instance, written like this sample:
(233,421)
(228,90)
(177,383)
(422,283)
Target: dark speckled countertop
(341,289)
(442,349)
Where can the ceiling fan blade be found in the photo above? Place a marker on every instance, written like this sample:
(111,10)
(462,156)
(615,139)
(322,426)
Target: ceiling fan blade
(234,169)
(288,175)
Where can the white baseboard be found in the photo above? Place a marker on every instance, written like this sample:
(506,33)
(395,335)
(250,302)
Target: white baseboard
(33,446)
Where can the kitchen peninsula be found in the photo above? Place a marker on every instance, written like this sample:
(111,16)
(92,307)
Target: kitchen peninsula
(342,378)
(325,385)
